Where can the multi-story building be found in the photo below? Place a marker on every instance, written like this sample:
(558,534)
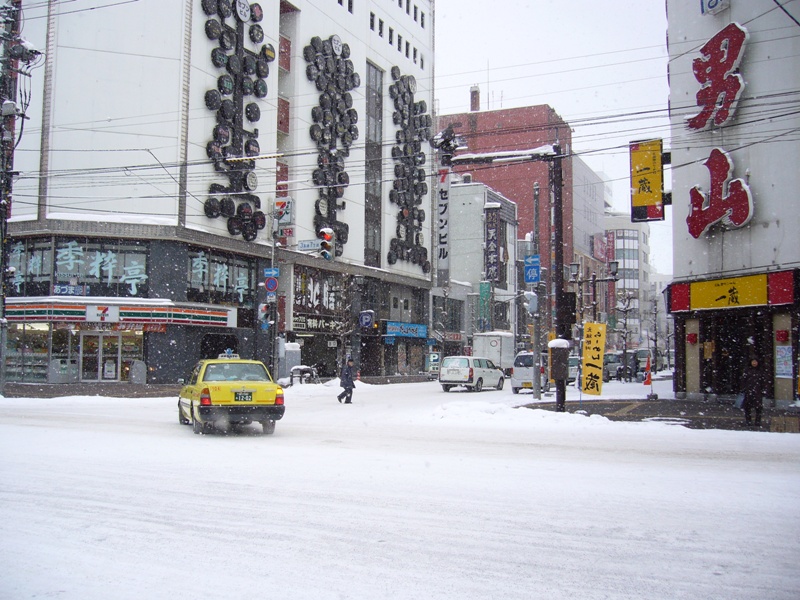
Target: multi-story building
(177,164)
(590,255)
(629,245)
(527,183)
(480,294)
(733,75)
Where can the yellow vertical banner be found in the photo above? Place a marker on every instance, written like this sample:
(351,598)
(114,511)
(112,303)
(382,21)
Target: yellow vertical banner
(594,344)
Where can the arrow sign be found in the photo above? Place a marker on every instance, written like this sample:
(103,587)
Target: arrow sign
(532,269)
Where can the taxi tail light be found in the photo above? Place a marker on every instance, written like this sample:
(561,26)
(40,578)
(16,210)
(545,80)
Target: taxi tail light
(470,374)
(279,397)
(205,398)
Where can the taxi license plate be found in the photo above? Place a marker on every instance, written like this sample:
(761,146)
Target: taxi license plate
(243,396)
(527,384)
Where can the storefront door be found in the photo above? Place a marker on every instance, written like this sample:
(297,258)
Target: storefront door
(100,356)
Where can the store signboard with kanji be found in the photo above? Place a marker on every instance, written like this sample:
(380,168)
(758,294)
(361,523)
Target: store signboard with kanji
(647,181)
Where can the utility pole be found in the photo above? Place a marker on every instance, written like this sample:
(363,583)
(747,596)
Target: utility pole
(558,268)
(9,13)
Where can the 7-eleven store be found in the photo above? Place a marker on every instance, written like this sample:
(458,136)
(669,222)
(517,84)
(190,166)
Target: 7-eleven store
(57,341)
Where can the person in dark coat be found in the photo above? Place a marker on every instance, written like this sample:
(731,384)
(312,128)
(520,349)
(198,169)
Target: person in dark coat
(754,385)
(347,382)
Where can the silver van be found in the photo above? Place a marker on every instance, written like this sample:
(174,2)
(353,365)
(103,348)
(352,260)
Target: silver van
(523,370)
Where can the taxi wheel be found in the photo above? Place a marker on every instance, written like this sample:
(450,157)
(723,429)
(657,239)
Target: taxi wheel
(268,426)
(500,384)
(197,426)
(478,385)
(515,390)
(181,419)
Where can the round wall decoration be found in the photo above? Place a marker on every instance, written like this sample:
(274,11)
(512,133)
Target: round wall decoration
(410,183)
(234,144)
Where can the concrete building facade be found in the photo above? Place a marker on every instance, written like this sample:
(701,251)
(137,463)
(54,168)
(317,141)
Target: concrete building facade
(733,72)
(177,164)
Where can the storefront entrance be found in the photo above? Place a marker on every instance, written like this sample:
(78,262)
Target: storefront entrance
(108,355)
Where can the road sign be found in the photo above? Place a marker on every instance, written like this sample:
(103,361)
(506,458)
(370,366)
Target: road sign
(272,297)
(271,284)
(305,245)
(532,269)
(272,272)
(366,318)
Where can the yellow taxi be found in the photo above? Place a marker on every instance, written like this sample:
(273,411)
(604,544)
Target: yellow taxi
(230,391)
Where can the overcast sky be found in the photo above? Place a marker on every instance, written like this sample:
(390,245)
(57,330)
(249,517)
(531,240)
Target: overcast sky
(601,65)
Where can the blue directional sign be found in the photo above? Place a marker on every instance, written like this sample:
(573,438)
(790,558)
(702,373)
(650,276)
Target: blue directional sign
(532,269)
(272,272)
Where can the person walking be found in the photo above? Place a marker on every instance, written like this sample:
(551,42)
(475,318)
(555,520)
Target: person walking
(753,386)
(347,382)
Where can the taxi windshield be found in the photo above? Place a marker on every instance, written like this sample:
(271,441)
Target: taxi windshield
(235,372)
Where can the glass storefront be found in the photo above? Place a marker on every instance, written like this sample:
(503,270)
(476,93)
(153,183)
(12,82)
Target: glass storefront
(63,353)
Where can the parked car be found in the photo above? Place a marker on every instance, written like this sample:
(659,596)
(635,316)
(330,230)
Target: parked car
(229,390)
(472,372)
(574,368)
(523,371)
(612,363)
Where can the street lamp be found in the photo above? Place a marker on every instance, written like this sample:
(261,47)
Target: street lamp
(575,277)
(625,307)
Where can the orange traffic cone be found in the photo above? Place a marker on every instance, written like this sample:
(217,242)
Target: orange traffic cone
(648,380)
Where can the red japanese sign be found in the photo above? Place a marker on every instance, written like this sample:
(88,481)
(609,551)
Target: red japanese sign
(721,85)
(734,209)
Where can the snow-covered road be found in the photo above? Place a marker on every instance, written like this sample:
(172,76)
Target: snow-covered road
(408,493)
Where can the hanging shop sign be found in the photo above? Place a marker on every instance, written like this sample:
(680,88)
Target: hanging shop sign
(492,252)
(443,226)
(647,181)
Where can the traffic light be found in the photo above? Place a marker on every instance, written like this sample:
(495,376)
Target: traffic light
(263,312)
(327,247)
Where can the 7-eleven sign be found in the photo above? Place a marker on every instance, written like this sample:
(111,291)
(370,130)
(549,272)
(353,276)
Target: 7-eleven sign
(283,211)
(102,314)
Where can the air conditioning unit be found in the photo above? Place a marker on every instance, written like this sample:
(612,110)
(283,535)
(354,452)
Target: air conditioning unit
(466,178)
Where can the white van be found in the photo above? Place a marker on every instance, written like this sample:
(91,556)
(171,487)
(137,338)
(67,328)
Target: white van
(473,372)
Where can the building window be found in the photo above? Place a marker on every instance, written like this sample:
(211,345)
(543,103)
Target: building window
(220,278)
(380,27)
(374,166)
(399,43)
(395,302)
(372,21)
(408,7)
(416,11)
(422,19)
(350,6)
(391,35)
(421,63)
(408,50)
